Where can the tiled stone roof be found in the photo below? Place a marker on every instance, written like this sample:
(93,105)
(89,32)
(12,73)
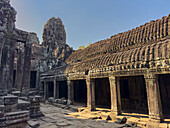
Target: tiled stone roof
(152,55)
(148,33)
(137,48)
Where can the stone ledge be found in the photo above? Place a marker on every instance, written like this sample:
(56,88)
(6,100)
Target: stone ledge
(16,113)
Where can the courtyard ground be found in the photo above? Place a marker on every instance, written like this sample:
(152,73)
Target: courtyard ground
(55,117)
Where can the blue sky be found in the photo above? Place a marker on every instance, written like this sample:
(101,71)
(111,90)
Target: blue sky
(88,21)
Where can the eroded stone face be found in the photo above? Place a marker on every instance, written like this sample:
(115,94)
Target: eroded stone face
(54,33)
(55,48)
(7,16)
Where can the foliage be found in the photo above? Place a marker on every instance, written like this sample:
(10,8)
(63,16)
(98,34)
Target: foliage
(83,47)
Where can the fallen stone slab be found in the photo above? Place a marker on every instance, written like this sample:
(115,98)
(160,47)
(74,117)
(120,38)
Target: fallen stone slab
(121,121)
(33,124)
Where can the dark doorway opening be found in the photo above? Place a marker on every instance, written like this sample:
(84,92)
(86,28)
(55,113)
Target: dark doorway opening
(102,93)
(50,89)
(14,77)
(80,91)
(33,79)
(133,95)
(164,85)
(63,89)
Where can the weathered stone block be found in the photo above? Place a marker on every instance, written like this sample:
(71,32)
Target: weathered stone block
(16,93)
(2,119)
(23,105)
(10,108)
(16,117)
(10,100)
(3,93)
(33,124)
(1,101)
(51,99)
(38,98)
(2,107)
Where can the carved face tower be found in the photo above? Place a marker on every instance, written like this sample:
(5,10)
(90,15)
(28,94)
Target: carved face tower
(7,16)
(54,34)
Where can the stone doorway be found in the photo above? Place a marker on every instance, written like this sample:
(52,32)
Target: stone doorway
(133,95)
(63,89)
(164,85)
(80,91)
(33,79)
(50,89)
(102,93)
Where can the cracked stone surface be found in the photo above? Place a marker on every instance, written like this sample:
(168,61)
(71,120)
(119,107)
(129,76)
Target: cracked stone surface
(56,118)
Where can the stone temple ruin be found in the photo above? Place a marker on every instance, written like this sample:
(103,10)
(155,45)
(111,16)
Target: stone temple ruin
(129,72)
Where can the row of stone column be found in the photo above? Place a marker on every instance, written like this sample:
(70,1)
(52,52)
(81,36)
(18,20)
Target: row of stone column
(55,89)
(152,88)
(153,96)
(23,67)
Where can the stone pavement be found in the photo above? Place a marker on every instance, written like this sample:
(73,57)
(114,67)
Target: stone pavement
(58,118)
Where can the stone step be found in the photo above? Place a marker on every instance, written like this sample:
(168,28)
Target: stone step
(10,100)
(16,117)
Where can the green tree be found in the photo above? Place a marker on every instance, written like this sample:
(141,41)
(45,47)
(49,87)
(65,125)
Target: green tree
(81,47)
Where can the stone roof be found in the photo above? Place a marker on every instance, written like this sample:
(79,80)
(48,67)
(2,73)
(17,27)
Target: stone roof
(152,55)
(135,48)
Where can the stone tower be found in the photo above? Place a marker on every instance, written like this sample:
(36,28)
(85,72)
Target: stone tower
(56,51)
(54,34)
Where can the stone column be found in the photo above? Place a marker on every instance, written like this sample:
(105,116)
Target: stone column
(115,95)
(38,80)
(20,66)
(45,90)
(154,100)
(27,67)
(57,90)
(54,93)
(2,42)
(7,63)
(70,92)
(90,94)
(11,63)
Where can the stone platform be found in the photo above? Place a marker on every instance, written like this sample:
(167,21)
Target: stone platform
(10,115)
